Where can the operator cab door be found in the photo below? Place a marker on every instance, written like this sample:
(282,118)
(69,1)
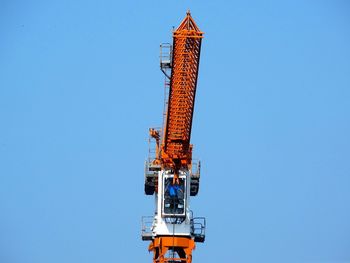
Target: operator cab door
(174,197)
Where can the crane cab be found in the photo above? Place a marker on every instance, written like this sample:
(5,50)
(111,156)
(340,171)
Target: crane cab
(173,196)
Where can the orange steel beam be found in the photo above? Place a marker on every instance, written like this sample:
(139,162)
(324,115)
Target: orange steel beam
(172,249)
(176,150)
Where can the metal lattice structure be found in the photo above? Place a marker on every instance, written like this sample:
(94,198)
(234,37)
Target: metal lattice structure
(170,174)
(176,148)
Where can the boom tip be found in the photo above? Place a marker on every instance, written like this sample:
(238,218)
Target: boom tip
(188,23)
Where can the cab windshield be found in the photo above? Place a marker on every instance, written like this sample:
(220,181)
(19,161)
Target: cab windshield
(174,196)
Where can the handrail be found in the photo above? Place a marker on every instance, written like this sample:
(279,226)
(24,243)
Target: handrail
(146,227)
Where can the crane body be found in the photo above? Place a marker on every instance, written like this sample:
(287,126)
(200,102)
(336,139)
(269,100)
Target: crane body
(171,175)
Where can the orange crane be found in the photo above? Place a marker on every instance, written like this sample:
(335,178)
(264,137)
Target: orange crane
(171,175)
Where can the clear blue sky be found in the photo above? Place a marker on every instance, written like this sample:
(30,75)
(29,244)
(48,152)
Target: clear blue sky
(80,86)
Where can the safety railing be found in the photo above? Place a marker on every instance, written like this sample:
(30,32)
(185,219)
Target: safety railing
(166,50)
(146,227)
(198,225)
(195,177)
(195,168)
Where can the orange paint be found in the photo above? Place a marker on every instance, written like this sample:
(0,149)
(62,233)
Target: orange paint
(176,150)
(181,246)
